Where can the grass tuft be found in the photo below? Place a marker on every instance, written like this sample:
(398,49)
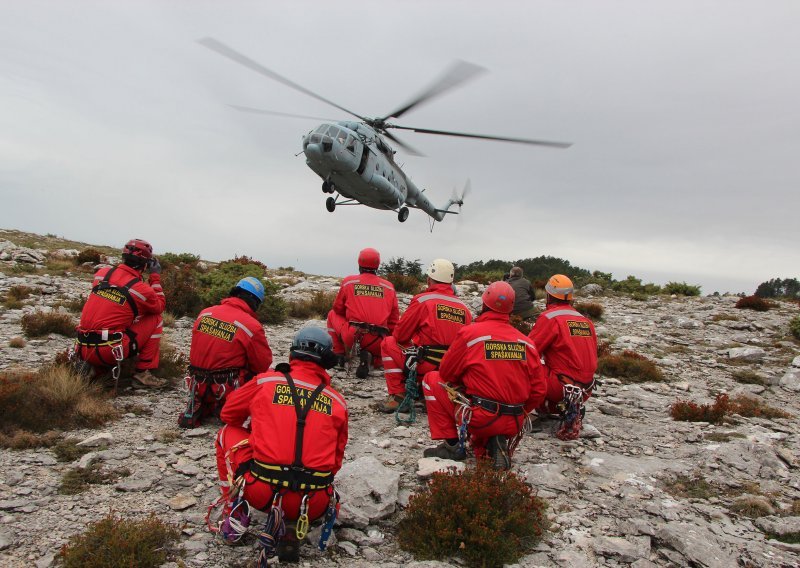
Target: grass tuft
(68,450)
(16,342)
(748,377)
(39,323)
(483,516)
(319,304)
(752,506)
(629,367)
(15,295)
(690,487)
(591,310)
(114,541)
(77,480)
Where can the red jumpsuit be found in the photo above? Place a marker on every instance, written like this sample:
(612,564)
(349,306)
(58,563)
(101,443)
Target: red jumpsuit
(491,360)
(110,311)
(267,401)
(227,336)
(568,344)
(432,318)
(366,298)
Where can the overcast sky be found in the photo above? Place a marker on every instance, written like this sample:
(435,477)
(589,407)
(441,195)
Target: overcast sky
(685,119)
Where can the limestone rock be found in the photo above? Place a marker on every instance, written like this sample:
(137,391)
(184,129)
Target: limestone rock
(99,439)
(368,490)
(696,543)
(627,549)
(181,502)
(428,466)
(131,484)
(591,290)
(791,380)
(754,354)
(5,540)
(779,526)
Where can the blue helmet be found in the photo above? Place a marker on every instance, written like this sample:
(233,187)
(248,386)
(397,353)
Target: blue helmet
(313,344)
(252,285)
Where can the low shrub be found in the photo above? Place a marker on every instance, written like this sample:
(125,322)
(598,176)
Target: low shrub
(794,327)
(749,377)
(74,305)
(39,323)
(603,348)
(751,407)
(632,285)
(484,277)
(168,318)
(17,294)
(681,289)
(181,288)
(16,342)
(687,411)
(483,516)
(724,317)
(273,309)
(319,304)
(629,367)
(67,450)
(723,436)
(403,283)
(114,541)
(690,487)
(753,303)
(23,440)
(88,255)
(77,480)
(591,310)
(52,398)
(520,324)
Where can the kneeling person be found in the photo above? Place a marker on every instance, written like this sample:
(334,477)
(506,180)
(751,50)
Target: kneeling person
(294,444)
(430,324)
(229,347)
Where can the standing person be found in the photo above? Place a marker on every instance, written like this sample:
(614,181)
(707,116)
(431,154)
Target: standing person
(122,317)
(493,373)
(289,453)
(568,343)
(229,347)
(430,324)
(523,293)
(364,297)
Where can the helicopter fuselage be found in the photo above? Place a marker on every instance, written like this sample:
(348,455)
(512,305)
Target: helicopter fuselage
(356,161)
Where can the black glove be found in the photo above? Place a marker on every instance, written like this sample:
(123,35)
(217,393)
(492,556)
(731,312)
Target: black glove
(155,266)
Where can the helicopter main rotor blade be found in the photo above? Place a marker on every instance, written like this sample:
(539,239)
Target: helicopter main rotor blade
(232,54)
(457,73)
(252,110)
(484,136)
(408,149)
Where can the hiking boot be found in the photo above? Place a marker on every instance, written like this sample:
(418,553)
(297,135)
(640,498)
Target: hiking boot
(289,546)
(146,380)
(390,404)
(497,448)
(362,372)
(446,452)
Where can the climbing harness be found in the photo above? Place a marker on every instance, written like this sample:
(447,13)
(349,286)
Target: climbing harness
(212,378)
(359,350)
(463,413)
(571,417)
(412,388)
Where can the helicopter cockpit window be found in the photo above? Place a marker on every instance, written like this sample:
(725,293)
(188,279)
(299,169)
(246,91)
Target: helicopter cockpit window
(342,137)
(351,144)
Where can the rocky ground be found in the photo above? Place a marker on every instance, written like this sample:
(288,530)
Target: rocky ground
(611,493)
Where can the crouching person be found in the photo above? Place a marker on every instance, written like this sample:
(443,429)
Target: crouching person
(229,347)
(284,461)
(488,382)
(122,317)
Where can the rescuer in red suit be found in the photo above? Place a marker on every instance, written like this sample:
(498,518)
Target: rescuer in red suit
(568,343)
(496,370)
(366,298)
(229,347)
(278,452)
(430,323)
(122,316)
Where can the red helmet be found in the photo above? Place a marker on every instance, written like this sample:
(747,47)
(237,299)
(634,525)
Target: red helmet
(369,258)
(138,247)
(499,297)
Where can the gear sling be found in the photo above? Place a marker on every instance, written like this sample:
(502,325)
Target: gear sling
(88,344)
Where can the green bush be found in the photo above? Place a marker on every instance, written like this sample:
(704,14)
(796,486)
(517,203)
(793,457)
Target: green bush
(520,324)
(38,324)
(633,285)
(88,255)
(681,289)
(181,288)
(486,517)
(629,367)
(483,277)
(114,542)
(169,259)
(794,326)
(273,309)
(403,283)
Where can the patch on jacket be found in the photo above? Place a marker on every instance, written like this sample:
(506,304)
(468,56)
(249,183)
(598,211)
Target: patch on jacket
(370,290)
(579,328)
(217,328)
(283,395)
(111,294)
(504,351)
(449,313)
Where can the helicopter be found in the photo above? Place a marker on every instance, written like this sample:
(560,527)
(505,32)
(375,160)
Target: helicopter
(354,159)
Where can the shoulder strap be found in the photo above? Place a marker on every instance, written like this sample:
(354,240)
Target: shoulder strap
(301,417)
(124,290)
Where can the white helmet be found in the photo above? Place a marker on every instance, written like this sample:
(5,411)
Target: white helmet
(441,270)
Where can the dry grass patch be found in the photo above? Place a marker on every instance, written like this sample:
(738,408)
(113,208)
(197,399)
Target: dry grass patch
(629,367)
(723,406)
(752,506)
(52,398)
(591,310)
(723,436)
(724,317)
(15,295)
(118,542)
(169,319)
(17,343)
(168,435)
(77,480)
(172,364)
(39,323)
(23,440)
(746,376)
(67,450)
(690,487)
(319,304)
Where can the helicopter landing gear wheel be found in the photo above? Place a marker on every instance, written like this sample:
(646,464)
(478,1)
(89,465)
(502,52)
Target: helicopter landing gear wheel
(402,215)
(330,204)
(328,187)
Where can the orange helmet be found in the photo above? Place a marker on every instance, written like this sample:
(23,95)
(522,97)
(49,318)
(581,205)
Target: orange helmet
(560,286)
(499,297)
(369,258)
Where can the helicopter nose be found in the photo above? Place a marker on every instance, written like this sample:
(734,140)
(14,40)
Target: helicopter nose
(313,152)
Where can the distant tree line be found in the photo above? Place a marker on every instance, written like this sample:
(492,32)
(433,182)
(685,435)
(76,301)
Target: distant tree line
(779,288)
